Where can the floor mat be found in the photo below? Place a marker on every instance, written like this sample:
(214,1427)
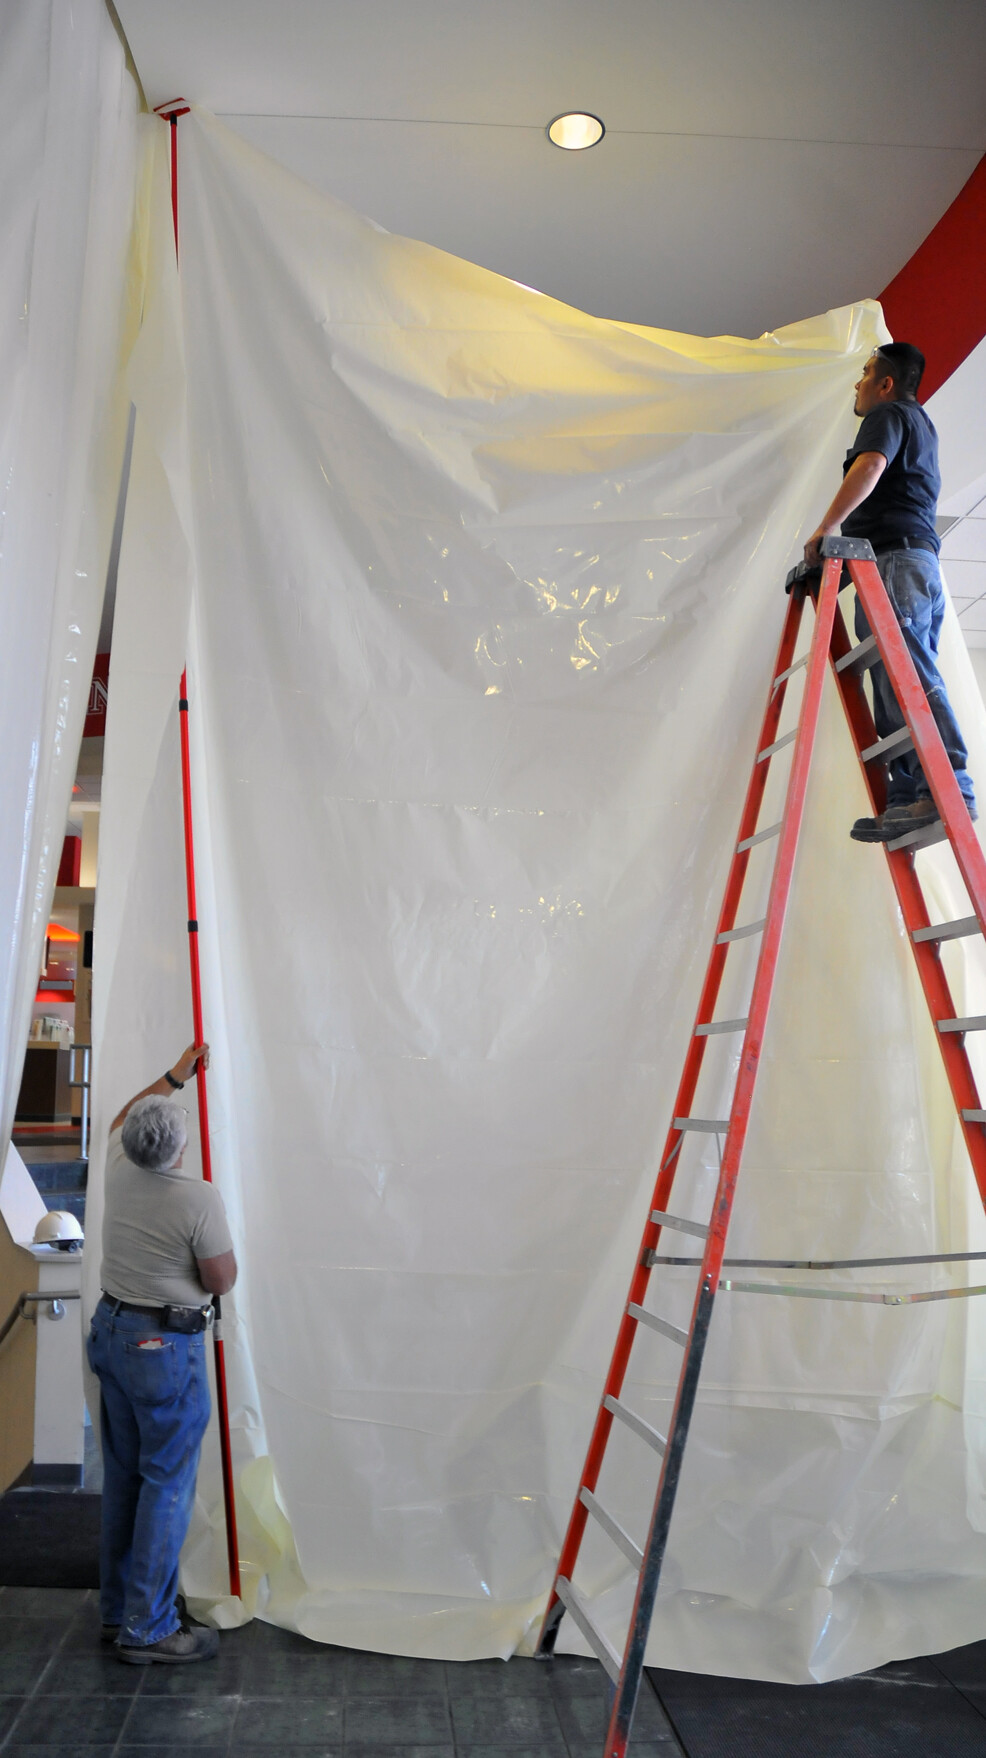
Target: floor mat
(895,1712)
(49,1538)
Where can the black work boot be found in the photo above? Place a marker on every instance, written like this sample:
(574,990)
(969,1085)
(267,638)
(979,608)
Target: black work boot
(111,1632)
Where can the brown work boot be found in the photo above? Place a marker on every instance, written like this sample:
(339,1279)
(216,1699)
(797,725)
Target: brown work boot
(917,816)
(177,1649)
(880,829)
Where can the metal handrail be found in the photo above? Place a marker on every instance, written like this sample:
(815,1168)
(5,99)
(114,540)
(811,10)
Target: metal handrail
(51,1295)
(83,1086)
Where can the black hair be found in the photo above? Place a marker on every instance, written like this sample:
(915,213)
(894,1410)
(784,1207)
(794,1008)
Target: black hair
(904,364)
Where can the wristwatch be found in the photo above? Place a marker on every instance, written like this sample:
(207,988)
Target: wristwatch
(172,1082)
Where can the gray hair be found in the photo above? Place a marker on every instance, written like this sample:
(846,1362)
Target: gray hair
(154,1133)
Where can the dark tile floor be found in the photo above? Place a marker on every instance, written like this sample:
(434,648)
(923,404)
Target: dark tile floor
(270,1692)
(913,1709)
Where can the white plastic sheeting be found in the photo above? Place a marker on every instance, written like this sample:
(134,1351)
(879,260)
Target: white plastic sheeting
(485,594)
(68,109)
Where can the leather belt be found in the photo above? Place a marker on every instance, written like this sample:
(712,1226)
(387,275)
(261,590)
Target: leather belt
(128,1306)
(905,543)
(189,1320)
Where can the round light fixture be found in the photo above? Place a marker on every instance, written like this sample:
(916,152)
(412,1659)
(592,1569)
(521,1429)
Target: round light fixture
(575,130)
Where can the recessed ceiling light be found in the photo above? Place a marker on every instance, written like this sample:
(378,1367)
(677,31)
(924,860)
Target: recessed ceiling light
(575,130)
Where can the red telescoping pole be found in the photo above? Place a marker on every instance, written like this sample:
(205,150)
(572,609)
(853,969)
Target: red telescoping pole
(170,113)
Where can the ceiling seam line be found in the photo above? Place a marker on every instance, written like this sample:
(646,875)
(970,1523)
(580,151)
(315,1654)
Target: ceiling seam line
(960,519)
(895,146)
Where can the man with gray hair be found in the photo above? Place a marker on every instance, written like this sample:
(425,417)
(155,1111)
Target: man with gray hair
(166,1251)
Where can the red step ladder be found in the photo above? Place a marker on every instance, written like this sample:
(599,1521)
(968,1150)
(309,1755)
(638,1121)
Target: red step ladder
(830,644)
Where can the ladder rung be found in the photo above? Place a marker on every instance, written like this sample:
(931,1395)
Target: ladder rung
(919,838)
(975,1023)
(721,1025)
(679,1226)
(761,836)
(896,743)
(792,1290)
(740,933)
(666,1328)
(653,1258)
(948,930)
(862,656)
(706,1125)
(971,1116)
(637,1424)
(782,676)
(601,1646)
(613,1527)
(778,745)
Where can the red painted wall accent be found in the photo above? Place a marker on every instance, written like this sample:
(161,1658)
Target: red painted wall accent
(938,300)
(70,864)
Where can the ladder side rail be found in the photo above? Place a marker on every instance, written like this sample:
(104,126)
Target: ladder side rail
(927,953)
(717,959)
(686,1092)
(731,899)
(859,714)
(931,752)
(715,1248)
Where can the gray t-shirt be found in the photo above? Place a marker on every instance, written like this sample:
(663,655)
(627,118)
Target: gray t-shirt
(155,1226)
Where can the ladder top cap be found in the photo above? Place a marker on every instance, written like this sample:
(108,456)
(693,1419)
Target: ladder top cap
(848,549)
(843,549)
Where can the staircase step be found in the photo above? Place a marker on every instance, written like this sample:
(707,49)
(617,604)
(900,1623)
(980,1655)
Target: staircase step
(59,1174)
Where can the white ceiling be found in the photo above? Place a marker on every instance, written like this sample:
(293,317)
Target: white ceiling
(764,159)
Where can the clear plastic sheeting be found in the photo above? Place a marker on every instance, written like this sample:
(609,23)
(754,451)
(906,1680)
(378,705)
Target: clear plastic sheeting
(484,598)
(69,110)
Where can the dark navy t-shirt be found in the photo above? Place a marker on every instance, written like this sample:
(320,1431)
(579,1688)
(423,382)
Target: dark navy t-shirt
(905,500)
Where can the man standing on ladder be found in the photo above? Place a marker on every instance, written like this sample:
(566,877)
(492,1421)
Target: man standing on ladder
(889,495)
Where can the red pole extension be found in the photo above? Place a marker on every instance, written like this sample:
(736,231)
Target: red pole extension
(171,113)
(222,1402)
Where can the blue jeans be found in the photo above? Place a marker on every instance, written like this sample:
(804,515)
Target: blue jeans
(914,588)
(154,1410)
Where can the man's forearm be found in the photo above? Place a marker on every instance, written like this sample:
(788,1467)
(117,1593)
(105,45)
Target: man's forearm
(161,1086)
(857,485)
(181,1072)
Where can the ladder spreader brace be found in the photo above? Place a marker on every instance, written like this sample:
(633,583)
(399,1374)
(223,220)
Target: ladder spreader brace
(830,644)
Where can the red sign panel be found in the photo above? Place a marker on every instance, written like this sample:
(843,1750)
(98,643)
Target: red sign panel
(95,726)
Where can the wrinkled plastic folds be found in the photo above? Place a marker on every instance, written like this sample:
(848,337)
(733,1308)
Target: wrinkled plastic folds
(480,597)
(69,111)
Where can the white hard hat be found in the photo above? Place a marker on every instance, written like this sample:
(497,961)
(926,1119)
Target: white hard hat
(58,1227)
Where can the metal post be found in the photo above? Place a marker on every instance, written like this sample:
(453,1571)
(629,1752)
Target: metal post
(83,1087)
